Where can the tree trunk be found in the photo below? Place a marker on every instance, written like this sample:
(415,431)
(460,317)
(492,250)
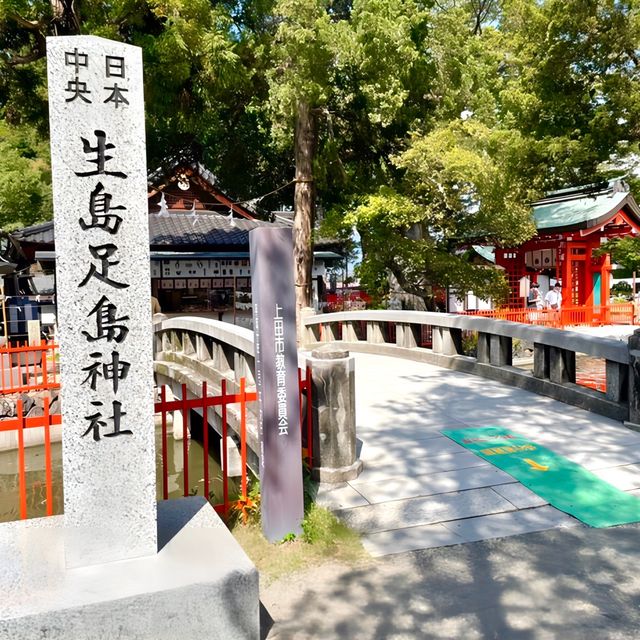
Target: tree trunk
(304,202)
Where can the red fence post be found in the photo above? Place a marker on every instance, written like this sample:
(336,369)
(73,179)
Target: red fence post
(22,474)
(185,444)
(243,435)
(225,454)
(47,457)
(205,438)
(165,457)
(309,418)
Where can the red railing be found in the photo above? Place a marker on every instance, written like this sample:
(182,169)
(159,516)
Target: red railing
(184,405)
(306,421)
(28,368)
(222,403)
(569,316)
(19,424)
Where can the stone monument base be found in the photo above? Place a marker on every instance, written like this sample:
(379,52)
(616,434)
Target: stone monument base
(200,584)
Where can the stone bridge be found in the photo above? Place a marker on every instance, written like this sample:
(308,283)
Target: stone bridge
(418,489)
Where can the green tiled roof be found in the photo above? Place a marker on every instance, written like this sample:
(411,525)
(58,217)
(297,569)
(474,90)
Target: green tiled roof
(487,252)
(577,212)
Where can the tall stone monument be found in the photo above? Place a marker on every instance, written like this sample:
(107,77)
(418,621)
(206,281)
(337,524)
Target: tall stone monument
(274,325)
(103,297)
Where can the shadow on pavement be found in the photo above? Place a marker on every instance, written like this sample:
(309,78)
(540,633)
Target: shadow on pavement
(566,584)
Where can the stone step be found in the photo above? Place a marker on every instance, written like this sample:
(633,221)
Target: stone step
(433,484)
(401,514)
(472,529)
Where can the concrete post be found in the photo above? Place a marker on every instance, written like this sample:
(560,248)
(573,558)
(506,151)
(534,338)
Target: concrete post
(375,333)
(313,333)
(617,381)
(447,341)
(562,365)
(500,353)
(407,335)
(302,332)
(334,415)
(331,332)
(484,351)
(349,333)
(634,381)
(541,368)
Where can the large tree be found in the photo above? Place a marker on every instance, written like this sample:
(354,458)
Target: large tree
(331,62)
(200,83)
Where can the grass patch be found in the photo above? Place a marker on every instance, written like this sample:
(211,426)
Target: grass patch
(324,538)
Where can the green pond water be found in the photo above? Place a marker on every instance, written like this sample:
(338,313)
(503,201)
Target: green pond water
(36,485)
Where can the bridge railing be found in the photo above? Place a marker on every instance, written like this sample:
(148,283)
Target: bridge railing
(437,338)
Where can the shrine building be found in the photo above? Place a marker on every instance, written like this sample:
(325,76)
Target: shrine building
(199,244)
(571,224)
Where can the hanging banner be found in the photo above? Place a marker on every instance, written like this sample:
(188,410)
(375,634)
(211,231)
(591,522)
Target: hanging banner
(274,325)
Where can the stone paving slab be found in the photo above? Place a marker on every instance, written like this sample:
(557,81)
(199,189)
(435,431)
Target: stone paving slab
(625,478)
(406,426)
(375,446)
(501,525)
(519,496)
(427,536)
(341,497)
(390,468)
(605,460)
(446,534)
(429,510)
(433,447)
(432,484)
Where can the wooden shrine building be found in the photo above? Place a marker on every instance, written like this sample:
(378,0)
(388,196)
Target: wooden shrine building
(199,243)
(571,224)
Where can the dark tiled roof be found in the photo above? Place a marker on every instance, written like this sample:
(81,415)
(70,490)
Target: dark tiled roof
(166,171)
(202,229)
(173,229)
(37,234)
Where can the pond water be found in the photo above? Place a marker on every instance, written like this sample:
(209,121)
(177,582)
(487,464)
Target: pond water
(35,472)
(590,372)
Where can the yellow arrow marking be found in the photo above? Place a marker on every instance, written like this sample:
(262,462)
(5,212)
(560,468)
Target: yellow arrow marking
(535,465)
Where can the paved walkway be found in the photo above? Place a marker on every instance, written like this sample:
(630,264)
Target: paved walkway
(420,490)
(571,584)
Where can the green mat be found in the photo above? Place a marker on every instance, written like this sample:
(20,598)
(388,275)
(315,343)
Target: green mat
(564,484)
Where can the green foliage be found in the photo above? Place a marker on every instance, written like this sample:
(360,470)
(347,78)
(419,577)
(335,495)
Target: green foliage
(320,527)
(290,537)
(621,289)
(540,95)
(470,343)
(25,178)
(435,123)
(624,251)
(414,243)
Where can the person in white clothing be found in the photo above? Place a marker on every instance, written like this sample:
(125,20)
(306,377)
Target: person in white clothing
(553,299)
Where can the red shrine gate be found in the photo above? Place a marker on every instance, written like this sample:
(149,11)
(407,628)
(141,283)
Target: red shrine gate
(572,224)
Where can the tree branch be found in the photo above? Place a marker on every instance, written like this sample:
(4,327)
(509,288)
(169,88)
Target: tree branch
(31,25)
